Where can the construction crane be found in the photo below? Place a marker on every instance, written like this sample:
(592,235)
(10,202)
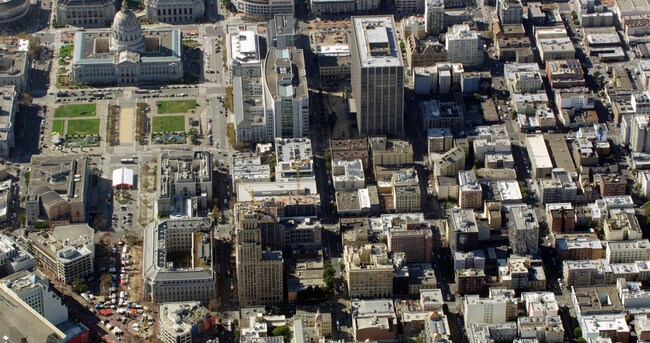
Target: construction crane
(247,190)
(293,166)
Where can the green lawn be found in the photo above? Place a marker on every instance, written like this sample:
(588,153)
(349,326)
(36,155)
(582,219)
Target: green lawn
(57,126)
(75,110)
(66,51)
(168,124)
(83,127)
(176,106)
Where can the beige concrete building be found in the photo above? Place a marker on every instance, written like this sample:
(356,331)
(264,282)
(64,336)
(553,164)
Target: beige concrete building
(68,252)
(177,319)
(368,271)
(260,279)
(622,225)
(169,279)
(406,191)
(627,251)
(14,69)
(449,163)
(184,176)
(175,11)
(424,53)
(499,307)
(58,187)
(470,194)
(390,152)
(93,13)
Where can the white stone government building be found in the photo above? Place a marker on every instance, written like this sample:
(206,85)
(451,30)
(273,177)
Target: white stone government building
(175,11)
(126,54)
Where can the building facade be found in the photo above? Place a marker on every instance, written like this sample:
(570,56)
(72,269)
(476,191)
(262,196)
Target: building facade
(264,7)
(260,278)
(68,252)
(93,13)
(14,69)
(523,231)
(434,16)
(8,111)
(58,189)
(185,183)
(34,289)
(368,271)
(126,54)
(13,12)
(169,280)
(286,92)
(175,11)
(377,76)
(464,46)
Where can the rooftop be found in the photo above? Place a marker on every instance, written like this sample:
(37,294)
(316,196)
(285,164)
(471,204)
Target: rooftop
(181,316)
(376,41)
(58,179)
(462,220)
(537,148)
(559,67)
(156,266)
(92,47)
(285,74)
(12,63)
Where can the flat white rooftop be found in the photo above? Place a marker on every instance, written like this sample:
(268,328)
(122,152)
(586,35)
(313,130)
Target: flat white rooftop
(376,41)
(537,149)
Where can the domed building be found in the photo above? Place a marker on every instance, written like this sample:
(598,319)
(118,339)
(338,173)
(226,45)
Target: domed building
(126,54)
(126,33)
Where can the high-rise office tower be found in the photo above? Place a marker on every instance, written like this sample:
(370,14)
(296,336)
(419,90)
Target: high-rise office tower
(434,16)
(377,75)
(260,279)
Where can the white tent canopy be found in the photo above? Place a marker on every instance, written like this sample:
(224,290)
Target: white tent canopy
(123,178)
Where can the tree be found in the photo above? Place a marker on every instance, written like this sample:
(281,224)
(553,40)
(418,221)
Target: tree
(193,133)
(328,158)
(229,98)
(21,218)
(328,275)
(574,15)
(27,175)
(577,332)
(271,161)
(42,225)
(581,340)
(282,331)
(215,212)
(79,286)
(100,223)
(35,50)
(25,99)
(402,46)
